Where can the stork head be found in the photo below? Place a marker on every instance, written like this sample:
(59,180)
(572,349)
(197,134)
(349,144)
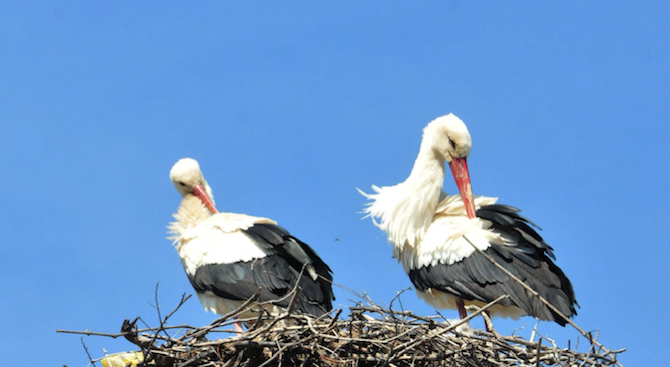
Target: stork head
(188,179)
(450,140)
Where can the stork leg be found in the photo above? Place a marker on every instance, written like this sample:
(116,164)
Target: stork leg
(238,327)
(461,308)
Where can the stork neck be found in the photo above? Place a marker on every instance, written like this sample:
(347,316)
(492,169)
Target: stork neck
(419,199)
(191,212)
(427,179)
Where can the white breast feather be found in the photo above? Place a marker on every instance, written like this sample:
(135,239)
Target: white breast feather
(220,240)
(403,217)
(443,241)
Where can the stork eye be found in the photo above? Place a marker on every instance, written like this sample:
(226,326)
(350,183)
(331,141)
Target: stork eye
(183,184)
(453,145)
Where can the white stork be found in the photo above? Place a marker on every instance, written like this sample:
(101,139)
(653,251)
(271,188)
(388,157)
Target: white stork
(427,228)
(230,257)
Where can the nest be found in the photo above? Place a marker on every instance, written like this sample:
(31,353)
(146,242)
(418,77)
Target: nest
(372,335)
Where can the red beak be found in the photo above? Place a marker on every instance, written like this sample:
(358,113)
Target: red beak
(201,193)
(459,168)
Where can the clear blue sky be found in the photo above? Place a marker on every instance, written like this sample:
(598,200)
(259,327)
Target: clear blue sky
(289,106)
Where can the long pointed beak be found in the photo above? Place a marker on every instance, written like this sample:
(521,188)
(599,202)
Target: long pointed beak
(459,168)
(201,193)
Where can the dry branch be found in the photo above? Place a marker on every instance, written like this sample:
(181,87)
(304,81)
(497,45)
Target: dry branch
(372,335)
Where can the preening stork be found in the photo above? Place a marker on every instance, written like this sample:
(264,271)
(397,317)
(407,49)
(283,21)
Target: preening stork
(230,257)
(428,231)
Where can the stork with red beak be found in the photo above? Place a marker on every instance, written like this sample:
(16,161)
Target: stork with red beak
(433,236)
(229,257)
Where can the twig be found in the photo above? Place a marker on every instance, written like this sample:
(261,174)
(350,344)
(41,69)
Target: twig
(87,353)
(533,292)
(116,335)
(217,322)
(291,304)
(391,338)
(334,320)
(413,343)
(162,321)
(397,296)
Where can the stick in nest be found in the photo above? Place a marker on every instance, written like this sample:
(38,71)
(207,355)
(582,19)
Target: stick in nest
(534,293)
(371,335)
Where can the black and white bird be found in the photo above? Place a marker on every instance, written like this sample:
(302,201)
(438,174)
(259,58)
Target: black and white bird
(428,231)
(230,257)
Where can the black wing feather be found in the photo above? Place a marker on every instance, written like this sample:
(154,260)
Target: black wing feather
(475,278)
(297,256)
(273,276)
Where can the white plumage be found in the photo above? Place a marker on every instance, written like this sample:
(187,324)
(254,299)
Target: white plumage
(230,257)
(201,245)
(427,229)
